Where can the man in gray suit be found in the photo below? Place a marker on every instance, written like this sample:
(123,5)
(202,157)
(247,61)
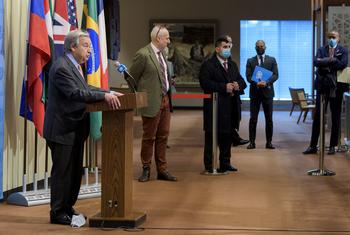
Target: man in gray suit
(261,93)
(66,124)
(150,71)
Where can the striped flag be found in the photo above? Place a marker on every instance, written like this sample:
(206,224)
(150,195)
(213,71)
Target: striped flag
(38,56)
(97,72)
(103,44)
(64,21)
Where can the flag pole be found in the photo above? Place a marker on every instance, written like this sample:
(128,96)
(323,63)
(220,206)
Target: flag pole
(46,177)
(24,177)
(35,176)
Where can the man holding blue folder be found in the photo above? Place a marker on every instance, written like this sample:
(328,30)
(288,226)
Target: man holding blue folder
(261,73)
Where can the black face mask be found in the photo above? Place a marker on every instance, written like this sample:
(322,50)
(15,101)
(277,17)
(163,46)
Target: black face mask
(260,51)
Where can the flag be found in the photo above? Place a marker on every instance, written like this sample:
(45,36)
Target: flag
(64,21)
(97,72)
(38,55)
(103,44)
(113,28)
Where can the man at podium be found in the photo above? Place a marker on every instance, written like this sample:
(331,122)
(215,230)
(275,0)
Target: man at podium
(150,71)
(66,124)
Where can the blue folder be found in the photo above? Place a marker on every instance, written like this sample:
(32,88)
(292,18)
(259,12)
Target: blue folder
(261,74)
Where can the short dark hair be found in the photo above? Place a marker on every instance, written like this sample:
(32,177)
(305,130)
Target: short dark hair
(219,40)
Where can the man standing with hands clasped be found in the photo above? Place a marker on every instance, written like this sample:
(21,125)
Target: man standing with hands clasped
(66,124)
(220,74)
(261,92)
(329,60)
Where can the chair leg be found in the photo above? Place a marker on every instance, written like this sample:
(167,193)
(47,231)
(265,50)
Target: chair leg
(301,113)
(291,111)
(305,114)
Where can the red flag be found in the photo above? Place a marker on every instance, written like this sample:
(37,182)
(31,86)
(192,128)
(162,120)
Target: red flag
(38,56)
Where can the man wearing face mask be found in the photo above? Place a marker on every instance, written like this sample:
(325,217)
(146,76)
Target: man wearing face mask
(261,93)
(329,59)
(220,74)
(236,139)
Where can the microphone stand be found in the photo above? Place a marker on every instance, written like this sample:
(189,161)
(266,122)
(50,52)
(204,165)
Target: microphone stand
(130,80)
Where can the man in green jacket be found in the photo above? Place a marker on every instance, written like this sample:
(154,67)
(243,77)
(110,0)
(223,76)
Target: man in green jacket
(150,71)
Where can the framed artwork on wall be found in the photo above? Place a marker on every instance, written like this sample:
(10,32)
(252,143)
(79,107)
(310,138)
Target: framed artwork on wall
(192,41)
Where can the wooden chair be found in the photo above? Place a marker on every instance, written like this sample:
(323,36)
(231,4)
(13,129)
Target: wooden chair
(305,104)
(294,96)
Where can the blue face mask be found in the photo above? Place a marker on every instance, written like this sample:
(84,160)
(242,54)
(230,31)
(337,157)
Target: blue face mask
(225,53)
(332,42)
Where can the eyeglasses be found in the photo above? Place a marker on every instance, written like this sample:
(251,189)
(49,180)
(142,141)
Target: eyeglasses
(161,26)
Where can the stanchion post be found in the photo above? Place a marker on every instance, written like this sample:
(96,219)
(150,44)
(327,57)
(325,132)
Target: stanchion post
(321,171)
(214,138)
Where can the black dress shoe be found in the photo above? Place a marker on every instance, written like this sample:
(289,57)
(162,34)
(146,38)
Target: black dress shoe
(251,145)
(310,150)
(227,168)
(61,219)
(331,150)
(239,141)
(146,172)
(165,175)
(269,146)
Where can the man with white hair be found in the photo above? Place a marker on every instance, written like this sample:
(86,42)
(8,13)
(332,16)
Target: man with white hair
(66,124)
(150,71)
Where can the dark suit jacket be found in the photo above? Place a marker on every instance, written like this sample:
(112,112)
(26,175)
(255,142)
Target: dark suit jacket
(146,71)
(213,78)
(65,118)
(269,64)
(331,66)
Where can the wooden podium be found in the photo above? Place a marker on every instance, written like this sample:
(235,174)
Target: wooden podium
(117,163)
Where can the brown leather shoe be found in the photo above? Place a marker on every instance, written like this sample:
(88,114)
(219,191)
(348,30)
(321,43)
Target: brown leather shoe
(144,177)
(165,175)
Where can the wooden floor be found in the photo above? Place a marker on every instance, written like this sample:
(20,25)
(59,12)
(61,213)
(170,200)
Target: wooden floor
(270,194)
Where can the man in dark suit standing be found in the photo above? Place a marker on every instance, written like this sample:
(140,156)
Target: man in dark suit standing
(329,60)
(236,139)
(220,74)
(261,93)
(66,124)
(150,71)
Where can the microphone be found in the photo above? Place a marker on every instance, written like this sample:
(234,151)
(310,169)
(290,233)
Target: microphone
(121,68)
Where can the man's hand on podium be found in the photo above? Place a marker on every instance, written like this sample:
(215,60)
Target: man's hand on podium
(112,99)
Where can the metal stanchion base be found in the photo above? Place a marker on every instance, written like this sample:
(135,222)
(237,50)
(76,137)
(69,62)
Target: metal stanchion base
(214,173)
(343,149)
(40,197)
(319,172)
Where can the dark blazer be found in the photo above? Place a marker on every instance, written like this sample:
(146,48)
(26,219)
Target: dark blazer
(65,118)
(331,66)
(213,78)
(269,64)
(146,71)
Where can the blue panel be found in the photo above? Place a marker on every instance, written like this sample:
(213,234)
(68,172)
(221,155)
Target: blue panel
(290,42)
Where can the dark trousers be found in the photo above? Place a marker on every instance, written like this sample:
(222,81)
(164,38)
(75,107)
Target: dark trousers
(267,104)
(66,174)
(155,136)
(335,107)
(224,142)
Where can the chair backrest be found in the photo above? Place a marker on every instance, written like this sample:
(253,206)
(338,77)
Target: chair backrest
(302,98)
(294,94)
